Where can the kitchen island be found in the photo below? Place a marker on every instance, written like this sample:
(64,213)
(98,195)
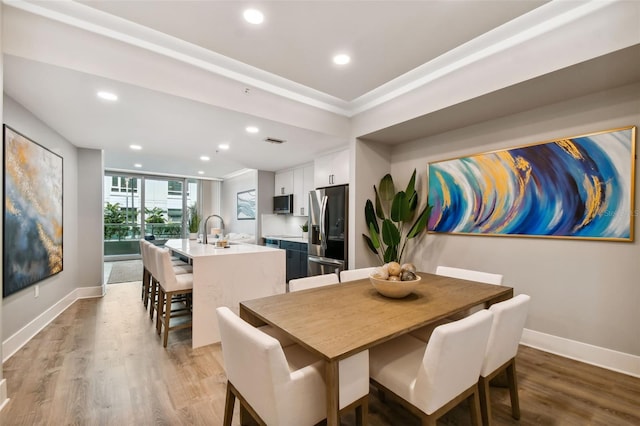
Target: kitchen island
(227,276)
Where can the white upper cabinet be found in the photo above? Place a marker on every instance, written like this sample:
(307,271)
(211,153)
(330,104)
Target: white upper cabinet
(284,183)
(332,169)
(302,184)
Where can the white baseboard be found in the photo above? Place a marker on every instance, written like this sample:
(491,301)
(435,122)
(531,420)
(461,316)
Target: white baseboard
(20,338)
(584,352)
(3,394)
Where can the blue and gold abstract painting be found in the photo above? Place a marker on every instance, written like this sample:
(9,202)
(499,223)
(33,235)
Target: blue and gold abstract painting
(32,213)
(577,187)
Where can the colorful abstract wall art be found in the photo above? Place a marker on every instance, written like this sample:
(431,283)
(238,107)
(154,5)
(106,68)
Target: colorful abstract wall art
(32,212)
(577,187)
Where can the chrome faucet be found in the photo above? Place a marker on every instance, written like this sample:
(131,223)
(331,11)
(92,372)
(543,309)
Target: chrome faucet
(204,233)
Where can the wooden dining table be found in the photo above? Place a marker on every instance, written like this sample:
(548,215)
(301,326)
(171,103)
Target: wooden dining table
(340,320)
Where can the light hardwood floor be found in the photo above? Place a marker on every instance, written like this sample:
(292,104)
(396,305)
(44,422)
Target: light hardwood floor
(101,363)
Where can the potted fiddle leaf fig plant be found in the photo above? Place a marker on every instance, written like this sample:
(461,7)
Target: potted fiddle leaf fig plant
(194,222)
(393,221)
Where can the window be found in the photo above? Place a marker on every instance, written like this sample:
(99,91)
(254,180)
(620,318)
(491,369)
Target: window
(175,187)
(123,184)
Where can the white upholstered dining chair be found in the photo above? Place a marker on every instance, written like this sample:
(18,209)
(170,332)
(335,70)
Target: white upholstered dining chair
(468,274)
(356,274)
(279,385)
(432,378)
(313,282)
(464,274)
(506,331)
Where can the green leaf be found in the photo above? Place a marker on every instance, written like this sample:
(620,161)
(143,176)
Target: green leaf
(421,222)
(379,210)
(402,209)
(370,216)
(391,254)
(390,233)
(387,190)
(375,238)
(411,186)
(370,244)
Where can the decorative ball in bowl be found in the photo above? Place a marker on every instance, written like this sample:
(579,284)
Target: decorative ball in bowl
(395,281)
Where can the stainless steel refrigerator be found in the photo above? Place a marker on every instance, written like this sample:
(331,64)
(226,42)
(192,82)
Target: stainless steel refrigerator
(328,230)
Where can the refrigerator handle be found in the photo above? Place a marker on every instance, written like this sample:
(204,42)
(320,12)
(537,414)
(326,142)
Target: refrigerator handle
(323,231)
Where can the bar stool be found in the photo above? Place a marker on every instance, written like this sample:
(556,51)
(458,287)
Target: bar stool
(170,284)
(151,250)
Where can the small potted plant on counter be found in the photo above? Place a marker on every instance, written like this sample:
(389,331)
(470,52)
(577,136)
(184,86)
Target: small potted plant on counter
(305,230)
(194,222)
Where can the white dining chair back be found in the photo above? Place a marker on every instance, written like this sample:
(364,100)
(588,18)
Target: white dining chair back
(451,361)
(432,376)
(508,324)
(356,274)
(313,282)
(468,274)
(282,386)
(509,318)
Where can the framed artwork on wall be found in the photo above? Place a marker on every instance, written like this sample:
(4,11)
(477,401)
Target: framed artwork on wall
(246,205)
(32,243)
(576,187)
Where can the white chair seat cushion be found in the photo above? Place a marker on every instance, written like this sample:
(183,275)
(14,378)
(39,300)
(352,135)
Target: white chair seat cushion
(277,334)
(394,364)
(183,282)
(185,269)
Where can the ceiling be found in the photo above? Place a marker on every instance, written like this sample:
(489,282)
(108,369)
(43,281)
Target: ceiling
(289,55)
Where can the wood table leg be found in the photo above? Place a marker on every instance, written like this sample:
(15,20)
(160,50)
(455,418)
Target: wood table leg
(333,393)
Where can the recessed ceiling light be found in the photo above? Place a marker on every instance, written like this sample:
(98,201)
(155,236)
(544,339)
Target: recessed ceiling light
(138,165)
(204,158)
(223,146)
(253,16)
(135,147)
(252,129)
(108,96)
(341,59)
(200,172)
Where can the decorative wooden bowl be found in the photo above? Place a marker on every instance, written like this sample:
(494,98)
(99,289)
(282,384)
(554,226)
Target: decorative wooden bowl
(394,289)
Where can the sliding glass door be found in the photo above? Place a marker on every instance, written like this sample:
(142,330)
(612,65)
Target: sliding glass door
(152,207)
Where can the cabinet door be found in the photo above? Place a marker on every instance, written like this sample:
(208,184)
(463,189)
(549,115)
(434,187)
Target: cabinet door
(299,205)
(284,183)
(340,169)
(322,170)
(332,169)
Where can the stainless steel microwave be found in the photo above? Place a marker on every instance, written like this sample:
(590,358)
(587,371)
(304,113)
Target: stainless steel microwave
(283,204)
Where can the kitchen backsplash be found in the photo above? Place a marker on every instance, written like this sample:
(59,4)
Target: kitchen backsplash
(282,224)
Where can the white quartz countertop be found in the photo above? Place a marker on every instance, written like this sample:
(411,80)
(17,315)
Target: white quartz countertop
(287,238)
(192,248)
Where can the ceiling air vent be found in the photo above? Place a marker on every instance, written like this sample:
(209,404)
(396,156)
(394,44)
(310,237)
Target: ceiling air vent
(274,140)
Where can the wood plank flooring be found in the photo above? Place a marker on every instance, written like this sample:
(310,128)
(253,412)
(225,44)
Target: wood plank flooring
(101,363)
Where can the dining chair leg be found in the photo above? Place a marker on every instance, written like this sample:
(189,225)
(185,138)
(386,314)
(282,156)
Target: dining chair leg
(160,309)
(474,408)
(513,389)
(229,403)
(168,298)
(145,276)
(362,412)
(485,400)
(154,286)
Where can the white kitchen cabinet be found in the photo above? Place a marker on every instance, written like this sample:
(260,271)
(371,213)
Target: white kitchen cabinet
(332,169)
(284,183)
(302,184)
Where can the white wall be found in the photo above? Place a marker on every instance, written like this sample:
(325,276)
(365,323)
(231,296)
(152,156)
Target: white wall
(585,291)
(22,307)
(3,382)
(90,218)
(228,201)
